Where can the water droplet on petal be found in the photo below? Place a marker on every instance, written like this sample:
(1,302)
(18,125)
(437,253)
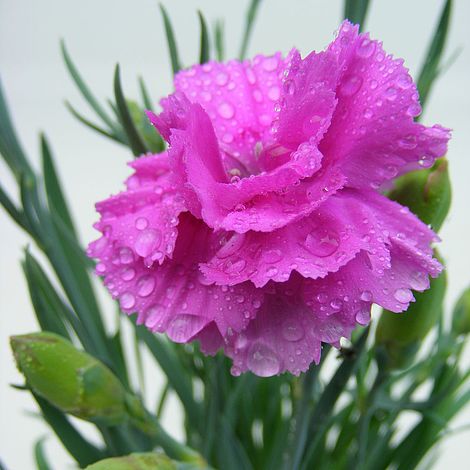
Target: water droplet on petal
(336,304)
(391,93)
(141,223)
(366,295)
(231,246)
(125,255)
(147,241)
(274,93)
(145,285)
(365,48)
(363,316)
(226,110)
(221,79)
(350,85)
(128,274)
(100,268)
(263,361)
(271,272)
(270,64)
(235,266)
(403,295)
(419,281)
(127,300)
(322,242)
(289,87)
(271,256)
(292,330)
(322,297)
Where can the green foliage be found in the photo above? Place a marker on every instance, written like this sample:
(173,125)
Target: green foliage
(356,12)
(342,419)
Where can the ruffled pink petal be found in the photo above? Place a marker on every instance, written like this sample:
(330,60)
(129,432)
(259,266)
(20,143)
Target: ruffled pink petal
(260,202)
(175,297)
(313,246)
(373,134)
(281,338)
(239,98)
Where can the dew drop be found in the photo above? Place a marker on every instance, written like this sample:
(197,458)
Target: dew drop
(125,255)
(350,85)
(363,316)
(271,271)
(289,86)
(292,330)
(128,274)
(404,81)
(234,267)
(365,48)
(221,79)
(391,93)
(100,268)
(270,64)
(403,295)
(256,303)
(336,304)
(425,161)
(141,223)
(322,242)
(145,285)
(147,241)
(419,281)
(274,93)
(226,110)
(366,295)
(231,246)
(127,300)
(322,297)
(263,361)
(272,256)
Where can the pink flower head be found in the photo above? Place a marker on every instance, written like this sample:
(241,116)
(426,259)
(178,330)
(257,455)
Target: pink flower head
(262,230)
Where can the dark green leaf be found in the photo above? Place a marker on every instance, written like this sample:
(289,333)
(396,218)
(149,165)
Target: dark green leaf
(54,193)
(249,23)
(79,448)
(10,147)
(176,374)
(95,127)
(147,102)
(135,140)
(430,68)
(356,11)
(84,90)
(15,213)
(40,456)
(219,40)
(170,37)
(204,48)
(328,399)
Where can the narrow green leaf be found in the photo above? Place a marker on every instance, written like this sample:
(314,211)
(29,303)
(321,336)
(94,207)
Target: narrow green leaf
(78,447)
(95,127)
(170,37)
(177,376)
(356,11)
(45,304)
(249,23)
(135,141)
(430,68)
(10,147)
(328,399)
(15,213)
(204,48)
(84,90)
(162,400)
(40,456)
(146,100)
(219,40)
(54,193)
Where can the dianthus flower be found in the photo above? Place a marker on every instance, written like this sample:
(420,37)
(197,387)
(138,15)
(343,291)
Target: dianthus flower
(263,230)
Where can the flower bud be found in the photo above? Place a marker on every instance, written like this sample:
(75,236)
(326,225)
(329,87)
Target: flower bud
(137,461)
(461,314)
(426,192)
(69,379)
(400,334)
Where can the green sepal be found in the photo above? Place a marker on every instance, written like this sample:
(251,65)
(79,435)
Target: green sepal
(401,334)
(461,314)
(427,193)
(147,132)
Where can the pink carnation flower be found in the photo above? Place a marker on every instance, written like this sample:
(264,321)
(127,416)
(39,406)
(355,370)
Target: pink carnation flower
(262,230)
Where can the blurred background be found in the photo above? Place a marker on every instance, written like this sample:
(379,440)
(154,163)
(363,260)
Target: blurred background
(99,34)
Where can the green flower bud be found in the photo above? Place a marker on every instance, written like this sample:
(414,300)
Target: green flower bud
(400,334)
(461,314)
(139,461)
(426,192)
(148,133)
(69,379)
